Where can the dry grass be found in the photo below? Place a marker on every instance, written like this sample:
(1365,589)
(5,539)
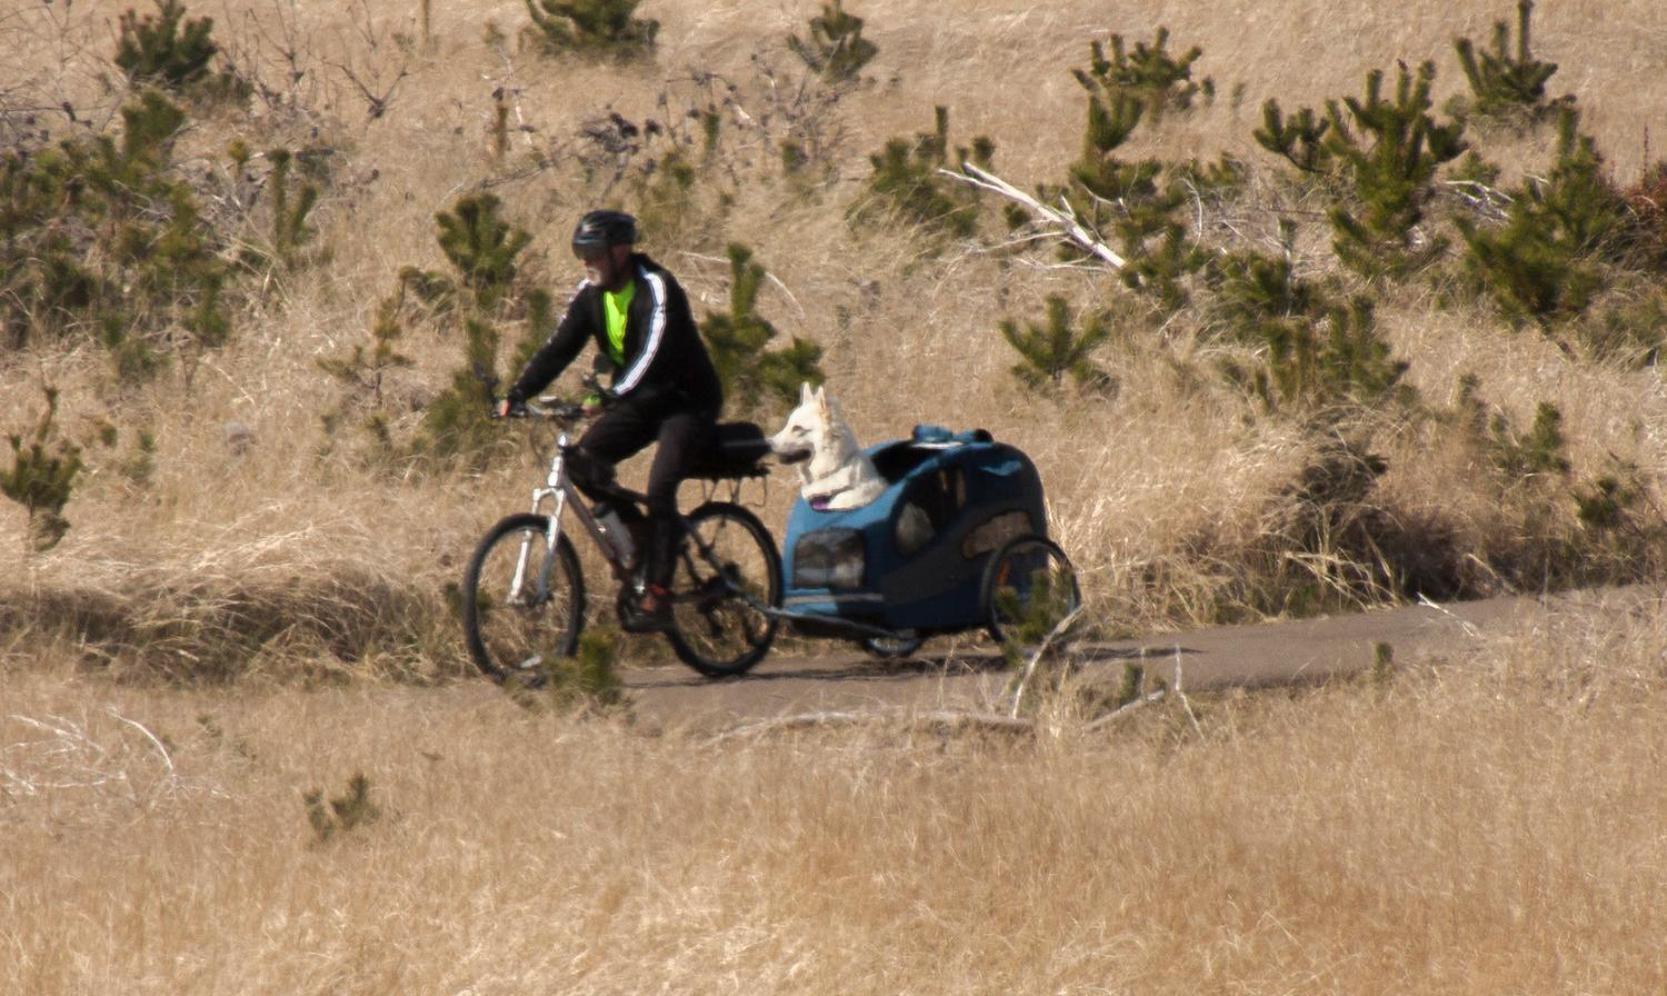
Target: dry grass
(1159,496)
(1489,826)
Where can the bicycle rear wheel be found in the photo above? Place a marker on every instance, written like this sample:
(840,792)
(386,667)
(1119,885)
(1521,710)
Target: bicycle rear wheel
(523,602)
(727,569)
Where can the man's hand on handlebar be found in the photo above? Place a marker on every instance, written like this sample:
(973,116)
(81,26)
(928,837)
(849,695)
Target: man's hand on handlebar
(597,398)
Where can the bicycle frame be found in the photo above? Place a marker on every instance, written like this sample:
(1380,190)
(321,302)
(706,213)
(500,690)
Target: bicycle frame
(560,490)
(561,494)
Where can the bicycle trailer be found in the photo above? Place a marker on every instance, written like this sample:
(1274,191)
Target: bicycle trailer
(912,562)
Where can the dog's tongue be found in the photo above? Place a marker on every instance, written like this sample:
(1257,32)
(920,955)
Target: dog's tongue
(819,503)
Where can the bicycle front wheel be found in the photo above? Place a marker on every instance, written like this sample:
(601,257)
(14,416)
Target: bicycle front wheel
(727,571)
(523,601)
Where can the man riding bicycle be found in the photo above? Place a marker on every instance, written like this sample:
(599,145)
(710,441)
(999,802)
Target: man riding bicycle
(664,386)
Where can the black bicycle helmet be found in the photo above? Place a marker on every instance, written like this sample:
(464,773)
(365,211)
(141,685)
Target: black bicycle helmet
(601,229)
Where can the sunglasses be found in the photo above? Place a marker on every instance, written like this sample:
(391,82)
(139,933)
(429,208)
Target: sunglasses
(590,254)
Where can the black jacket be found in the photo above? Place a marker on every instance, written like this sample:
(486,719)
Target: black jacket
(666,364)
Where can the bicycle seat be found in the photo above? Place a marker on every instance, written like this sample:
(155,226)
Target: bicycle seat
(736,451)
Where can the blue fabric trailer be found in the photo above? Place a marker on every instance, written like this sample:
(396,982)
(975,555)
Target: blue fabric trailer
(914,558)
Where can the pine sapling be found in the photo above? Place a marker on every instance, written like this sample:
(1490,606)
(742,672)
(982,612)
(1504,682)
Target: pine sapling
(751,374)
(167,50)
(42,477)
(482,246)
(1543,452)
(597,28)
(1543,265)
(345,812)
(1300,139)
(1389,149)
(588,682)
(1507,85)
(1159,80)
(1134,200)
(290,230)
(1050,353)
(905,181)
(835,49)
(363,372)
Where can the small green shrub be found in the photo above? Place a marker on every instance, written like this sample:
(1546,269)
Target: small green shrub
(363,374)
(1540,453)
(1378,156)
(589,680)
(594,28)
(345,812)
(1545,264)
(835,49)
(1325,365)
(1389,150)
(456,424)
(290,231)
(481,295)
(1050,353)
(42,477)
(753,375)
(1135,203)
(1158,80)
(1317,354)
(1299,139)
(1504,85)
(166,50)
(905,182)
(105,242)
(482,247)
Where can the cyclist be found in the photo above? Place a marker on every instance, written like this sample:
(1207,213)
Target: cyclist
(664,385)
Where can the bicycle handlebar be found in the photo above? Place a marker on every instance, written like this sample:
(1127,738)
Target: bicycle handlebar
(557,409)
(553,409)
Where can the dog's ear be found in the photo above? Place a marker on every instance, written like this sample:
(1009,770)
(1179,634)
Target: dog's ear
(804,392)
(822,399)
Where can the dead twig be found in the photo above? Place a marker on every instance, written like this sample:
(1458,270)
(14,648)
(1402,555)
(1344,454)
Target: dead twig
(160,749)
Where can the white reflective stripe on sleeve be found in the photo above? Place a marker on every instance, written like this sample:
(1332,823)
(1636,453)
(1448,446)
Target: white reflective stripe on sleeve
(569,309)
(656,331)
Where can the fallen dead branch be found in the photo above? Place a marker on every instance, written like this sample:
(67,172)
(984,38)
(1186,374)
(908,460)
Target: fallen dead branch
(1061,216)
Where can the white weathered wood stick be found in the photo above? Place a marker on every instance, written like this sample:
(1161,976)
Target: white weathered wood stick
(169,761)
(1064,218)
(1041,649)
(1180,693)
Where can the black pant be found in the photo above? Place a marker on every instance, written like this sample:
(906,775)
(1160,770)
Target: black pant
(623,431)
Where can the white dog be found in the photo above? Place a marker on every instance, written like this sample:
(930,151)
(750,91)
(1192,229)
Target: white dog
(836,473)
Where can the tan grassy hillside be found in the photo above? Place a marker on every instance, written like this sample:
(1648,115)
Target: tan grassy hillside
(1162,495)
(1486,824)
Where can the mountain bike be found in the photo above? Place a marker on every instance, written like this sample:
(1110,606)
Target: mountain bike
(523,595)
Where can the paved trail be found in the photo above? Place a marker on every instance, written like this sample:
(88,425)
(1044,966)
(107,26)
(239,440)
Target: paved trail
(944,678)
